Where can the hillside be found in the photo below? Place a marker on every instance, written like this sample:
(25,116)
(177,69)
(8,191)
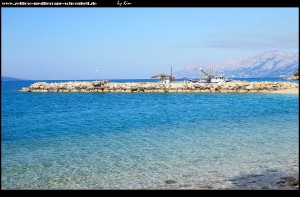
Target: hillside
(4,78)
(272,64)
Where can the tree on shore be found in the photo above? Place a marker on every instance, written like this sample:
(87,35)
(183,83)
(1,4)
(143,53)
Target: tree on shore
(297,73)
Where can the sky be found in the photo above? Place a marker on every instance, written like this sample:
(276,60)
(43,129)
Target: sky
(136,43)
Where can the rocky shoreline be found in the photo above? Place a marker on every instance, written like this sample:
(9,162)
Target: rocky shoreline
(292,78)
(105,86)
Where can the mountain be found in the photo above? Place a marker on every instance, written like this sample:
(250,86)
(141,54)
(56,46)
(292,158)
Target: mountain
(272,64)
(3,78)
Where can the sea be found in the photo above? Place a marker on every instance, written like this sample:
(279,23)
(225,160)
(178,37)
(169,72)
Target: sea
(147,140)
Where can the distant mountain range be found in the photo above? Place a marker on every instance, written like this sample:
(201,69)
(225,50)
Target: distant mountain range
(269,64)
(3,78)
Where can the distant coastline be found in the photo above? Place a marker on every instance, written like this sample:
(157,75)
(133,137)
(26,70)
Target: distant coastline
(126,80)
(4,78)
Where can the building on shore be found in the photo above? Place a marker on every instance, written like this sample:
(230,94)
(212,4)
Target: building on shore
(164,78)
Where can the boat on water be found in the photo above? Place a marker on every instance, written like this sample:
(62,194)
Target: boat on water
(210,78)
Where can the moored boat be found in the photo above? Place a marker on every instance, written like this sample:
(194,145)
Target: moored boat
(210,78)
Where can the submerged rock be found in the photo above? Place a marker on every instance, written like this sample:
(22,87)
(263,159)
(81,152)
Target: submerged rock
(170,182)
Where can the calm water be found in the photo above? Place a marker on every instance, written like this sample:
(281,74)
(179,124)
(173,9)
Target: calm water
(141,140)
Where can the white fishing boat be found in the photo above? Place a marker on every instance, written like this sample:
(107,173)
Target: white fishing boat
(210,78)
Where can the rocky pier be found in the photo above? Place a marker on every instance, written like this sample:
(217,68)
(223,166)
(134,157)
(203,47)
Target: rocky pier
(104,86)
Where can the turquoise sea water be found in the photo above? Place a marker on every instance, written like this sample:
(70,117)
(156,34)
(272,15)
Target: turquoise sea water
(144,140)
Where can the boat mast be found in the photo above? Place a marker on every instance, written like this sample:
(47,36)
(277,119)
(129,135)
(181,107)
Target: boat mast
(203,72)
(200,69)
(200,75)
(171,73)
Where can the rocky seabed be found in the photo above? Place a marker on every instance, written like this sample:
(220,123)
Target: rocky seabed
(104,86)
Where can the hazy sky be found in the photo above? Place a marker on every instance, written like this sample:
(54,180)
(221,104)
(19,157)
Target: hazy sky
(123,43)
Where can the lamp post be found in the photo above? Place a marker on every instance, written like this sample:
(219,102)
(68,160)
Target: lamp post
(97,74)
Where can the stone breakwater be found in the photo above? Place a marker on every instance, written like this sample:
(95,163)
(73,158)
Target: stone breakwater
(104,86)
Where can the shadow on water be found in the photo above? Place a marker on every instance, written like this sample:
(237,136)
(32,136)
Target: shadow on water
(269,179)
